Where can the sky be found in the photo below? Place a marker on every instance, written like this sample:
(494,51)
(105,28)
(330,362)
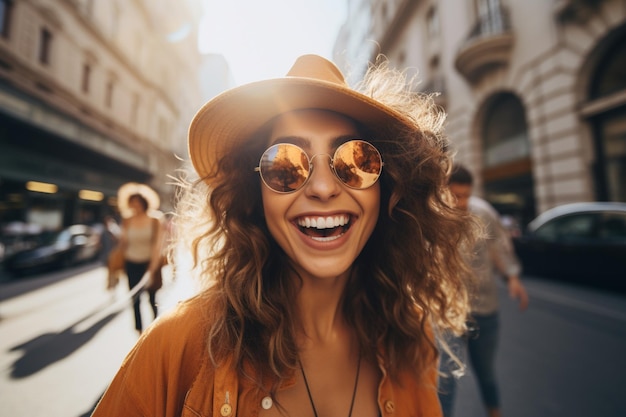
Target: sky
(261,39)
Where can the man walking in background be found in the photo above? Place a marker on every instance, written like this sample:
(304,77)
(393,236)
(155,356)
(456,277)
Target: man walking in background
(492,256)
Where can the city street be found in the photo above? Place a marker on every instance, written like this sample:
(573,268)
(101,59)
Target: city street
(63,337)
(130,126)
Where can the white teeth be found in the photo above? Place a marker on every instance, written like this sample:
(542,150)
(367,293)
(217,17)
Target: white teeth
(328,222)
(326,239)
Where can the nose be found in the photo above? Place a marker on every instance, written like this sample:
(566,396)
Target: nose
(322,183)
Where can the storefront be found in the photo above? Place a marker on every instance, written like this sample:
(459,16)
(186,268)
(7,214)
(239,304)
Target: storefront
(55,172)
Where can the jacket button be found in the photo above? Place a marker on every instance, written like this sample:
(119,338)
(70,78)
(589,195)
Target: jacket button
(266,403)
(389,406)
(226,410)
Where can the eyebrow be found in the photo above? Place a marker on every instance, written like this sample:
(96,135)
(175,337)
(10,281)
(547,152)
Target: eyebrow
(305,143)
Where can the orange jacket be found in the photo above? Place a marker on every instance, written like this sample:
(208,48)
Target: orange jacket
(168,374)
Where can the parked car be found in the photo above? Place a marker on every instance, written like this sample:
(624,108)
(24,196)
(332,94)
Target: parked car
(75,244)
(18,236)
(583,243)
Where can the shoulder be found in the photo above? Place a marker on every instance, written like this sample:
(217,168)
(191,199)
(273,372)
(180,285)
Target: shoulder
(174,344)
(485,211)
(481,206)
(188,321)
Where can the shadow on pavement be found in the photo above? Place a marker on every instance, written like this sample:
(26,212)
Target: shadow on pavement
(48,348)
(89,412)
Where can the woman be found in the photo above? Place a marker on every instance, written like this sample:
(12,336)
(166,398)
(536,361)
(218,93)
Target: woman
(140,241)
(322,226)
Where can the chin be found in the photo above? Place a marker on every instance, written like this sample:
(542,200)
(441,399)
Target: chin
(325,269)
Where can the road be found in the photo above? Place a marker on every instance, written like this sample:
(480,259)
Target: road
(563,357)
(63,337)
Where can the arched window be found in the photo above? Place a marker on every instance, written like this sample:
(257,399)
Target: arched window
(6,12)
(610,75)
(608,82)
(507,171)
(504,131)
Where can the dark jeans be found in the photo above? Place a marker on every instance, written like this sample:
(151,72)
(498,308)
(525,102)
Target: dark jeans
(135,271)
(482,344)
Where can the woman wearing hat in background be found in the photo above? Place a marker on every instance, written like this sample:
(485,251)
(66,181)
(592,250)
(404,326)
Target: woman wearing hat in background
(322,227)
(141,242)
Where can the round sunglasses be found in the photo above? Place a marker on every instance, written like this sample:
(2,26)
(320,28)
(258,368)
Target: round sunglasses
(286,167)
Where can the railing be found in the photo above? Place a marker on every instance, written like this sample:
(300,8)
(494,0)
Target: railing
(488,44)
(496,21)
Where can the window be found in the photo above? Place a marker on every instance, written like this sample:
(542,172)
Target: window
(45,44)
(6,9)
(108,99)
(134,111)
(611,74)
(432,22)
(86,77)
(505,131)
(609,124)
(490,16)
(613,227)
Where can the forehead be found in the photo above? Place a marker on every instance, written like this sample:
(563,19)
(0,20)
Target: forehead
(312,125)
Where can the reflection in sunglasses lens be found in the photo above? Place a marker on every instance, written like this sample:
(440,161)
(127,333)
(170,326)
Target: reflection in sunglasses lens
(283,168)
(357,164)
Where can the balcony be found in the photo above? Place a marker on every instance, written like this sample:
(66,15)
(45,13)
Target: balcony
(487,47)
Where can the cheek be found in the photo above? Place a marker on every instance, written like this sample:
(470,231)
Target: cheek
(371,205)
(273,210)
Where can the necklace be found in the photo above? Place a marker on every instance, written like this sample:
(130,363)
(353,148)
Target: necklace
(356,383)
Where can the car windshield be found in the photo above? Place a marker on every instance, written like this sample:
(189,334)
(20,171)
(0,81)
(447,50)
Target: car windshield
(597,225)
(570,226)
(50,238)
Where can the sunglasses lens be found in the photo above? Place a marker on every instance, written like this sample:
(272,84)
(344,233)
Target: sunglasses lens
(284,167)
(358,164)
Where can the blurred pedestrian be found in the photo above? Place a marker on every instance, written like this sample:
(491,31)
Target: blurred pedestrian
(109,237)
(491,257)
(141,242)
(330,256)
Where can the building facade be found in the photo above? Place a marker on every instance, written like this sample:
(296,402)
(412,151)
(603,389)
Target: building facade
(93,94)
(535,90)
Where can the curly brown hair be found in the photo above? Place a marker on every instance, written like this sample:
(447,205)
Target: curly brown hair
(407,280)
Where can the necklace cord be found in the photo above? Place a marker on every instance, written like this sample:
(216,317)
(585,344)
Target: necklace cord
(356,383)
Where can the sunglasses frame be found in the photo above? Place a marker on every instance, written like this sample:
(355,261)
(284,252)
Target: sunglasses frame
(331,164)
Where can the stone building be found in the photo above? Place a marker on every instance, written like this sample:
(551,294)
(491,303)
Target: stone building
(93,94)
(535,90)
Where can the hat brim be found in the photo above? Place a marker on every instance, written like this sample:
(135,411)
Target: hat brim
(131,188)
(232,118)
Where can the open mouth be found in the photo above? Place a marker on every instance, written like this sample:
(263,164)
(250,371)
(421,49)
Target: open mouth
(324,229)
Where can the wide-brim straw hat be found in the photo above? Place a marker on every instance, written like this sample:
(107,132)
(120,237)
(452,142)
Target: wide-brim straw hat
(232,118)
(131,188)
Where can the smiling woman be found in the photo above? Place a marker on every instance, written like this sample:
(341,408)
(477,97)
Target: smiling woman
(321,227)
